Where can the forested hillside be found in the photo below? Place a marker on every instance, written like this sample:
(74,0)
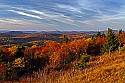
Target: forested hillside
(100,58)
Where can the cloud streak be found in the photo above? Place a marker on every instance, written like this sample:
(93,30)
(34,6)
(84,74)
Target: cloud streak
(25,14)
(15,24)
(45,16)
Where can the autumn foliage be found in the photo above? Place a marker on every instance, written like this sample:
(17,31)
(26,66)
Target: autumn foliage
(20,60)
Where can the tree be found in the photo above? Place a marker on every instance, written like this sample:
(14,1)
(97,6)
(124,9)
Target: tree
(90,49)
(64,39)
(120,31)
(19,53)
(111,43)
(98,34)
(3,57)
(103,35)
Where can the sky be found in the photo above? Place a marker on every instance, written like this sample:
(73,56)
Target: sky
(63,15)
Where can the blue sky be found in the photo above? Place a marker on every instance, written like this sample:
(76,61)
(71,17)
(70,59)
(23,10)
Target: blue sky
(66,15)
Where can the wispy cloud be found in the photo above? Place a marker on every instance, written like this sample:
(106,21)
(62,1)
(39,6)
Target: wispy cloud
(25,14)
(62,14)
(10,21)
(44,16)
(69,8)
(15,24)
(55,16)
(42,13)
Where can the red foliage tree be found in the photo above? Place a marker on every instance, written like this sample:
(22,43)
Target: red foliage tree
(94,48)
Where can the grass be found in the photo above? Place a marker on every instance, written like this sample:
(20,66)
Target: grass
(100,69)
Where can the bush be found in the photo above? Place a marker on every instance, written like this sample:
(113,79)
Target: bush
(6,71)
(3,57)
(82,62)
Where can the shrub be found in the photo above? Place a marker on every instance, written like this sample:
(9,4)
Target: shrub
(3,57)
(82,62)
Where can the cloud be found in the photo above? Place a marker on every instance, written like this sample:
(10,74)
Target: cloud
(55,16)
(66,14)
(50,16)
(25,14)
(69,8)
(11,21)
(15,24)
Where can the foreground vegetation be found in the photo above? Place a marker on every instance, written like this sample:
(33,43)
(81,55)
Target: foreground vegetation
(101,69)
(95,59)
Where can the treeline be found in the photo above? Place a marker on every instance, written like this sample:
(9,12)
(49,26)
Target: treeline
(7,40)
(19,60)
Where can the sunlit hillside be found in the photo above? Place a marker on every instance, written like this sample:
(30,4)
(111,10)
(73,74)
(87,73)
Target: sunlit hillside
(97,59)
(100,69)
(107,69)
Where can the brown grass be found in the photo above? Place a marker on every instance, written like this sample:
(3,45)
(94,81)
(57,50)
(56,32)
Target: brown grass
(101,69)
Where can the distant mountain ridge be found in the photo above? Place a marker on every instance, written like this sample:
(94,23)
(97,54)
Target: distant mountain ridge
(53,32)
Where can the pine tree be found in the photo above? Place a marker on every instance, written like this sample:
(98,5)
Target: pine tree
(98,34)
(3,57)
(120,31)
(111,43)
(64,39)
(19,52)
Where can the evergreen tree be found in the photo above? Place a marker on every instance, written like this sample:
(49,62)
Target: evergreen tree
(120,31)
(94,38)
(19,53)
(98,34)
(103,35)
(64,39)
(89,49)
(111,43)
(3,57)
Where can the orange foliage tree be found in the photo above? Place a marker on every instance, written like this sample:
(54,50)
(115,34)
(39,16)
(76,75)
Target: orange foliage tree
(122,38)
(50,47)
(78,47)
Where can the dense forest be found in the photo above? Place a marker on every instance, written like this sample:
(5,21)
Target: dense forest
(66,60)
